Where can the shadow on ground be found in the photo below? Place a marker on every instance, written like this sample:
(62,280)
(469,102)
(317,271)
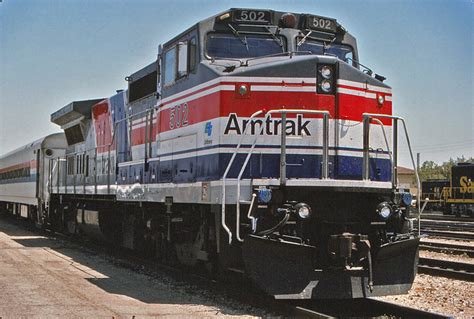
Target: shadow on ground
(160,288)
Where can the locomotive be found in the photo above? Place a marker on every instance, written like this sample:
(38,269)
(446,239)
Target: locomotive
(256,143)
(454,195)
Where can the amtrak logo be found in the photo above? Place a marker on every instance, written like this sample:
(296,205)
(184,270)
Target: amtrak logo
(298,126)
(208,129)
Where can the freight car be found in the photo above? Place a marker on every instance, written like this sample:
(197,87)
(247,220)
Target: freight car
(257,143)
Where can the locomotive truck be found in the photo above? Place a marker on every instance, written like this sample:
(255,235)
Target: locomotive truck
(257,143)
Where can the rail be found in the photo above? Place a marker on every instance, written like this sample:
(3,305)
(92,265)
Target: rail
(148,132)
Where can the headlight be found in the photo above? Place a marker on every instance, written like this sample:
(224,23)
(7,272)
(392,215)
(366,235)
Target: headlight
(303,210)
(384,210)
(326,72)
(326,86)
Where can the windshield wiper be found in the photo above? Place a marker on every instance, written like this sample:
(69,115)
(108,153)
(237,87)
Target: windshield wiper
(327,46)
(238,36)
(277,40)
(303,40)
(288,53)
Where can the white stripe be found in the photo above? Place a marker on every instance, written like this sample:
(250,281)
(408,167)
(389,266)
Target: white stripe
(357,93)
(135,126)
(141,161)
(366,86)
(388,98)
(238,80)
(141,119)
(359,85)
(275,88)
(244,150)
(379,89)
(200,94)
(268,79)
(267,88)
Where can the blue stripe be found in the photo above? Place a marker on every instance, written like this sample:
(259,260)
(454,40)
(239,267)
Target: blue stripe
(31,178)
(212,167)
(262,146)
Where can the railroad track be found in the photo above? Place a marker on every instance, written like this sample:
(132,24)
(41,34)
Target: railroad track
(358,308)
(448,225)
(458,230)
(242,290)
(447,248)
(446,268)
(446,217)
(448,234)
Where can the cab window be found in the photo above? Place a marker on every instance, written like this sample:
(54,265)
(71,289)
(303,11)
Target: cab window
(170,66)
(342,52)
(179,61)
(246,46)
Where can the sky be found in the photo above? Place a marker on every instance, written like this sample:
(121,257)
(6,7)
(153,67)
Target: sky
(53,52)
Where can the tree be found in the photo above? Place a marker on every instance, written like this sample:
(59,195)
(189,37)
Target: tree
(431,170)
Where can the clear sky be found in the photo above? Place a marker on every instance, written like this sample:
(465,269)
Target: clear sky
(55,51)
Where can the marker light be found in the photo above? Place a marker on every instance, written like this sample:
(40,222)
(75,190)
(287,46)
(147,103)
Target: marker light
(243,89)
(380,99)
(224,16)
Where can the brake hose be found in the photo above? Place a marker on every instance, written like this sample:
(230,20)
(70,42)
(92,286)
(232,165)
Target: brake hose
(280,224)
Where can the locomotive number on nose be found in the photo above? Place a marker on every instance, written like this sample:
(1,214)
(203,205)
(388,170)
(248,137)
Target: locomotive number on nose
(179,115)
(252,16)
(321,23)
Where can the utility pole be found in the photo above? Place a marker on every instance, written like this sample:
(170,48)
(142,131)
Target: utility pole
(418,162)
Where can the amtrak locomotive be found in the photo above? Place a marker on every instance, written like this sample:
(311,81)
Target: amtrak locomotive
(257,143)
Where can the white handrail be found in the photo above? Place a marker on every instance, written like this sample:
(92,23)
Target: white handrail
(398,118)
(250,152)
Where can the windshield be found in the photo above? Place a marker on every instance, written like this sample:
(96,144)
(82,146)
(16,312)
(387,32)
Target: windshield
(247,46)
(343,52)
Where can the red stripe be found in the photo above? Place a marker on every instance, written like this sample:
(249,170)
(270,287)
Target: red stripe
(220,104)
(363,90)
(18,166)
(103,127)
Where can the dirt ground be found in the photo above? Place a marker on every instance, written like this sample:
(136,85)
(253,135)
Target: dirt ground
(443,295)
(44,278)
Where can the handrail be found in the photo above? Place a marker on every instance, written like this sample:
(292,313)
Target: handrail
(283,153)
(283,112)
(108,146)
(382,126)
(368,116)
(223,223)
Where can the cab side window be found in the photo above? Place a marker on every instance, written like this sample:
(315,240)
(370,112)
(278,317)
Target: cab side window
(179,61)
(170,66)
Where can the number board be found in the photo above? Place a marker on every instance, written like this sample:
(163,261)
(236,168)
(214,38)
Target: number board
(252,16)
(321,23)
